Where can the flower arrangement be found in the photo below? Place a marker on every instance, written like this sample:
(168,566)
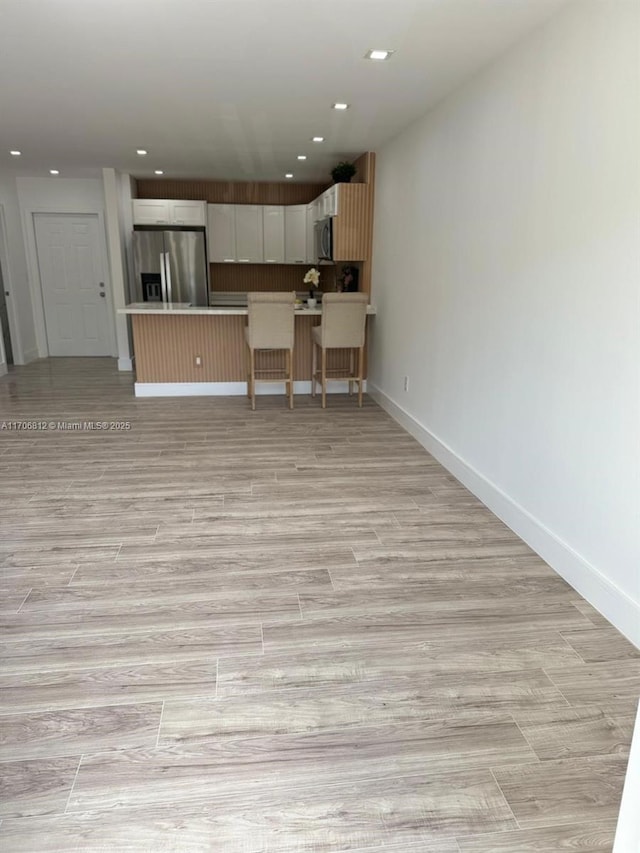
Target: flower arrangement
(312,278)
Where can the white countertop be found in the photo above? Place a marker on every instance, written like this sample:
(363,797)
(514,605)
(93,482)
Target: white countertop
(187,308)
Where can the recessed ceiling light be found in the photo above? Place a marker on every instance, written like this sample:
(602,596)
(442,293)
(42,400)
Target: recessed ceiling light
(54,172)
(158,172)
(340,106)
(302,156)
(15,153)
(378,53)
(289,175)
(317,138)
(141,152)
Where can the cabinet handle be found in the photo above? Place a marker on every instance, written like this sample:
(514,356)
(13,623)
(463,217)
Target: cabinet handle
(244,260)
(271,261)
(229,260)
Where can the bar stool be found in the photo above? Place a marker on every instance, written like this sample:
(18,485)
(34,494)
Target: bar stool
(270,327)
(344,316)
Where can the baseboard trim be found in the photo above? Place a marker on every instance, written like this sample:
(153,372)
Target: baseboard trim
(614,604)
(125,365)
(30,355)
(228,389)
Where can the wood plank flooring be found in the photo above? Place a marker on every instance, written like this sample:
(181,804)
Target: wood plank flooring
(282,632)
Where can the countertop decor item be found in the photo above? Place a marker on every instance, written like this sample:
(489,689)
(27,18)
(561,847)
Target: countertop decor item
(343,172)
(312,278)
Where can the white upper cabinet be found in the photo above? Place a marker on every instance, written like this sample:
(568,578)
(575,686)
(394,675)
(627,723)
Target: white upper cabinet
(192,213)
(295,234)
(150,211)
(249,240)
(330,201)
(221,233)
(311,237)
(166,211)
(273,231)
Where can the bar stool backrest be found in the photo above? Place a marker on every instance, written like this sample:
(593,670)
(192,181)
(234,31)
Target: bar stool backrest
(344,317)
(271,320)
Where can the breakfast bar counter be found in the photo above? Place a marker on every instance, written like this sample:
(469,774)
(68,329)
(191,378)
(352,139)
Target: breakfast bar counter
(186,350)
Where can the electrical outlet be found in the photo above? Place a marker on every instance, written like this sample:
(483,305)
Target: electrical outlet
(406,383)
(198,361)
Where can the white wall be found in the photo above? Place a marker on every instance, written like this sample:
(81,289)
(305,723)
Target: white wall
(506,275)
(119,224)
(57,195)
(14,269)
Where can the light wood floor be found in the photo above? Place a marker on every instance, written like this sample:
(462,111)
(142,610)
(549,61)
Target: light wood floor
(283,631)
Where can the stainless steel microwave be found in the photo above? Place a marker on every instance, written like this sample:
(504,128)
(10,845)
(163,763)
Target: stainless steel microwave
(324,239)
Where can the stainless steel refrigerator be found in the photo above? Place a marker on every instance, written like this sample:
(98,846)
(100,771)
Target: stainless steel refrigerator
(170,266)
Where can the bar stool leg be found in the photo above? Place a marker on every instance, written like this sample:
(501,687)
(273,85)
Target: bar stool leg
(290,375)
(324,378)
(351,370)
(314,367)
(252,375)
(360,372)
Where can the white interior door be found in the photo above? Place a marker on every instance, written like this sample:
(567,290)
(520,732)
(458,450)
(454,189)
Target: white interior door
(74,293)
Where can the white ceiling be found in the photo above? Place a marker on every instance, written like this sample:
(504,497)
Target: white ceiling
(231,88)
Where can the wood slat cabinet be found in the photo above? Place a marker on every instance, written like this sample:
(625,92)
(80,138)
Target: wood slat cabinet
(353,223)
(351,208)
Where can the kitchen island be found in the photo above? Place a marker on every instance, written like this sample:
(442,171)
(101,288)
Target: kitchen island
(186,350)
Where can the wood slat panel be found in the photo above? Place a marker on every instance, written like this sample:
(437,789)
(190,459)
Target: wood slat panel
(365,168)
(366,172)
(231,192)
(166,348)
(245,277)
(352,225)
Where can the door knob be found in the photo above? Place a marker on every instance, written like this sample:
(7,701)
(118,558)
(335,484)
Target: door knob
(102,284)
(102,294)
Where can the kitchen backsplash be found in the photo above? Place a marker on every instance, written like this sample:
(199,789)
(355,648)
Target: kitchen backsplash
(244,277)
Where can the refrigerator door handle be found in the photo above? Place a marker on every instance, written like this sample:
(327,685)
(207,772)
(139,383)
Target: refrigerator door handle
(169,294)
(163,278)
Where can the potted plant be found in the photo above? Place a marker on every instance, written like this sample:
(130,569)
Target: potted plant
(343,172)
(312,278)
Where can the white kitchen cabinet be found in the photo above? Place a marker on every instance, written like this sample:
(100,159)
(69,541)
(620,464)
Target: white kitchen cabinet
(166,211)
(311,236)
(221,233)
(318,208)
(273,233)
(151,211)
(295,234)
(191,213)
(249,238)
(330,201)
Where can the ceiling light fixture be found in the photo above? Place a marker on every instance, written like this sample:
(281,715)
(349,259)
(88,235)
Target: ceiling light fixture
(289,175)
(378,54)
(54,172)
(158,172)
(317,138)
(15,153)
(340,106)
(141,152)
(302,156)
